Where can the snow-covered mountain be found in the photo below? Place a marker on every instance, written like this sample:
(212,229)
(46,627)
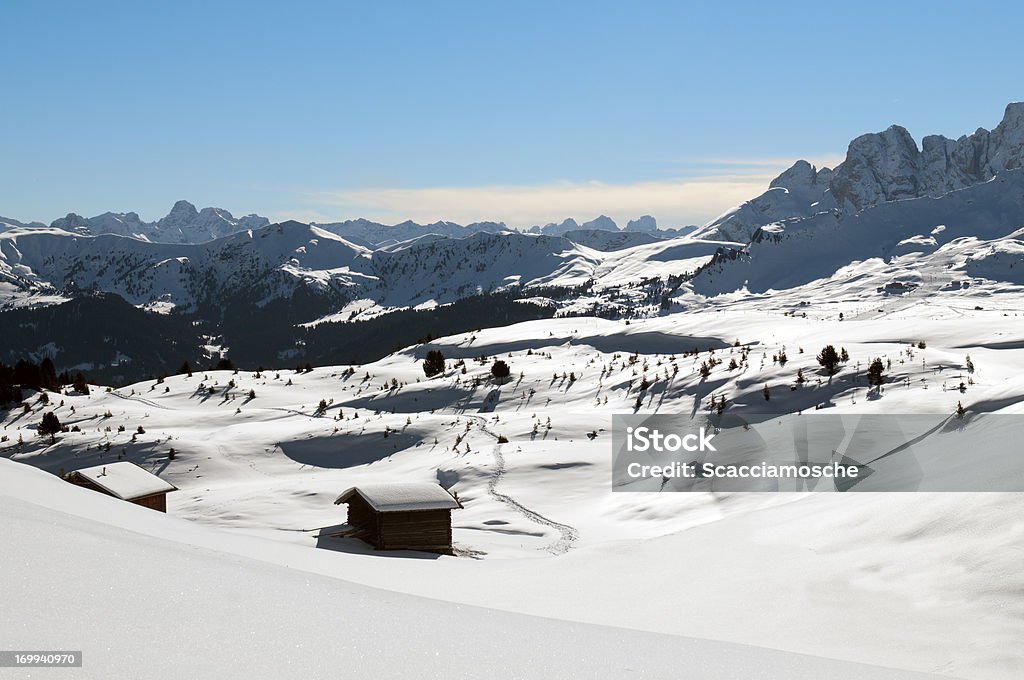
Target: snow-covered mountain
(446,270)
(275,261)
(184,224)
(262,264)
(645,223)
(377,235)
(890,222)
(11,223)
(879,168)
(912,234)
(600,239)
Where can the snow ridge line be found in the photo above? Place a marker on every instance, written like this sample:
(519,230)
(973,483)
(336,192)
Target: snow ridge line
(567,535)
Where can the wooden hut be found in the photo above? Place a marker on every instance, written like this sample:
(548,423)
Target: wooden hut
(126,481)
(405,516)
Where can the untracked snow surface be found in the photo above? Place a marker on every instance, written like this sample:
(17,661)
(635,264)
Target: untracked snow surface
(142,595)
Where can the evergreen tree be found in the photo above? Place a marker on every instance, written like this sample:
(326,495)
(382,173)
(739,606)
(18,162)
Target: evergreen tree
(434,363)
(7,386)
(829,359)
(500,370)
(875,371)
(27,375)
(766,393)
(48,375)
(79,384)
(50,425)
(185,369)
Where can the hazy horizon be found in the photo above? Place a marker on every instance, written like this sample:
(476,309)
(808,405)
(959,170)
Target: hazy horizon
(467,112)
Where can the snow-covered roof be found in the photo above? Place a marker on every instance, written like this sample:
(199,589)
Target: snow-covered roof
(402,496)
(125,480)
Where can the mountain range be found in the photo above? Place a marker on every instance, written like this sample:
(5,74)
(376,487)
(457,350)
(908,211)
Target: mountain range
(186,224)
(892,220)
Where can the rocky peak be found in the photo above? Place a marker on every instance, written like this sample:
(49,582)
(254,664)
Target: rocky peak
(1007,140)
(879,167)
(602,222)
(183,212)
(252,221)
(568,224)
(70,222)
(800,176)
(642,223)
(183,224)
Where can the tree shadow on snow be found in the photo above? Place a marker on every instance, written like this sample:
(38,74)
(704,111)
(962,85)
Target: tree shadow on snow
(347,450)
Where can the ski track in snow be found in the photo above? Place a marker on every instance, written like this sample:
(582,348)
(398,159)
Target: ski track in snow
(567,535)
(137,398)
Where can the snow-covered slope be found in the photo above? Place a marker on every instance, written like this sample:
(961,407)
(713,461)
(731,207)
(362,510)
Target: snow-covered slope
(800,191)
(915,236)
(829,575)
(599,239)
(446,270)
(231,607)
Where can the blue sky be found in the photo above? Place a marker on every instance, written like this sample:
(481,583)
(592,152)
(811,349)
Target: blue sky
(525,112)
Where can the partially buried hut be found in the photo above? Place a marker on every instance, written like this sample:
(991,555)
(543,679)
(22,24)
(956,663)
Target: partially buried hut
(401,516)
(126,481)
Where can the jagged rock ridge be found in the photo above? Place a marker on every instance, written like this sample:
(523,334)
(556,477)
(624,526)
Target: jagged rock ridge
(880,167)
(184,224)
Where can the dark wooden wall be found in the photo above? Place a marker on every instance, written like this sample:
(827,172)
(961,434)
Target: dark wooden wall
(156,502)
(363,518)
(403,530)
(416,530)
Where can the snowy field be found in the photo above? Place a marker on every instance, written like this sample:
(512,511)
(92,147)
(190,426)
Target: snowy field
(659,585)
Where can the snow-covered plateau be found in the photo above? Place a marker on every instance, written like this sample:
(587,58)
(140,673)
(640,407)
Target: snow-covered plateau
(835,577)
(919,265)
